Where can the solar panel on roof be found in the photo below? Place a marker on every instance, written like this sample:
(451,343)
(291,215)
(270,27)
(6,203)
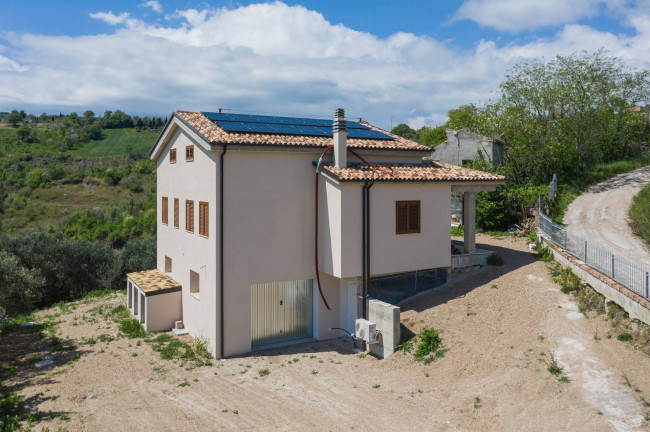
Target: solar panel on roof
(289,125)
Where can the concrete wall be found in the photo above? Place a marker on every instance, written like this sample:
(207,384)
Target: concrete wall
(387,318)
(626,299)
(198,181)
(465,146)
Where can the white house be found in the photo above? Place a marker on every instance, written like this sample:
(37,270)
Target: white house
(271,229)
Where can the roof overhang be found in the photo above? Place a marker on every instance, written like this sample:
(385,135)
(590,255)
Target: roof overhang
(174,124)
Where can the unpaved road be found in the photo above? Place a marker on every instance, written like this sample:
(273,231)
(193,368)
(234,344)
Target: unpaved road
(600,215)
(500,325)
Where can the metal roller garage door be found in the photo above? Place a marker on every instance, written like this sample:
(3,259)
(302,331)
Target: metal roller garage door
(281,312)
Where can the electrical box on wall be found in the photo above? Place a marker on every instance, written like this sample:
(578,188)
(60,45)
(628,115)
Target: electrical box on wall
(365,330)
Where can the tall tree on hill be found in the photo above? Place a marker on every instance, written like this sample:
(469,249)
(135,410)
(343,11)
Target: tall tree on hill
(14,118)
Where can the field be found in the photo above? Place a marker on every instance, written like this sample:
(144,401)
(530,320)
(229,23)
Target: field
(119,142)
(517,355)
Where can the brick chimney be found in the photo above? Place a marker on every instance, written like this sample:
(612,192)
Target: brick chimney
(340,139)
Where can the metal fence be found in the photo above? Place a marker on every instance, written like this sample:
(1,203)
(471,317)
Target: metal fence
(627,273)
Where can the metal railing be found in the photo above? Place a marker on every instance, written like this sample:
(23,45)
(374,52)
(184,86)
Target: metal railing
(627,273)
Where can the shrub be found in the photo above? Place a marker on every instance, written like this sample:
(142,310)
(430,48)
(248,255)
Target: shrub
(567,280)
(625,337)
(544,254)
(495,260)
(553,365)
(429,342)
(112,177)
(132,328)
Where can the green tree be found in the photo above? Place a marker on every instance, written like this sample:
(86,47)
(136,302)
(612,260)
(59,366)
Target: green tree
(14,118)
(405,131)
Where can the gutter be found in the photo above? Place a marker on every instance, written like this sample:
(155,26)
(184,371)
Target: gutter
(365,247)
(221,243)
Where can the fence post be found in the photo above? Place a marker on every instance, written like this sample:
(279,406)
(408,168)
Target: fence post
(647,288)
(585,251)
(613,266)
(564,239)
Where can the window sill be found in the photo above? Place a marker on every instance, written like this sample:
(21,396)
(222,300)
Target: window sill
(196,296)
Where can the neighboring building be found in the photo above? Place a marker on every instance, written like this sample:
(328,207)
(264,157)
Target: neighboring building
(247,204)
(463,147)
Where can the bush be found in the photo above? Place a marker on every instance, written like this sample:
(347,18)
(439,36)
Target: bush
(567,280)
(132,328)
(20,287)
(493,211)
(625,337)
(112,177)
(429,343)
(495,260)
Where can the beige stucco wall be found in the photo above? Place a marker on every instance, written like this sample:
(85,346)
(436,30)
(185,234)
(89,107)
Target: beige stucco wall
(340,210)
(197,181)
(162,311)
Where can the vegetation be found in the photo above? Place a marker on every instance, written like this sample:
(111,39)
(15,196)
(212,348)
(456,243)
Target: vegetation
(565,117)
(430,346)
(598,173)
(640,214)
(495,260)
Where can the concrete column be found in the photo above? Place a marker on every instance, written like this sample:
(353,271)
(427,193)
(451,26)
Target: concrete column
(469,222)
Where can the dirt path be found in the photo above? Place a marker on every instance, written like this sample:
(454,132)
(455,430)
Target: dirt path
(499,324)
(600,215)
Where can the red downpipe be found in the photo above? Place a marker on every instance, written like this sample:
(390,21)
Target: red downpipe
(320,290)
(384,169)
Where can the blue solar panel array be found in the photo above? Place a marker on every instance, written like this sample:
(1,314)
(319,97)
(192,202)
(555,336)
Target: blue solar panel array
(289,126)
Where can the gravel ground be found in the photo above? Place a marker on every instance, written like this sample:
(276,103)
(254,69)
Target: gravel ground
(600,215)
(499,324)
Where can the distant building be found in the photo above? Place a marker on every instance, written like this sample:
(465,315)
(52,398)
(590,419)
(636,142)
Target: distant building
(463,147)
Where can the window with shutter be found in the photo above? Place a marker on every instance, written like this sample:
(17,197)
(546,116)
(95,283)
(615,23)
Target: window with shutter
(189,216)
(175,212)
(203,218)
(164,210)
(172,156)
(407,217)
(189,152)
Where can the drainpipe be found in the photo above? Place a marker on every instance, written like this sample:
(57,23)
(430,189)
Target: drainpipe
(365,247)
(221,272)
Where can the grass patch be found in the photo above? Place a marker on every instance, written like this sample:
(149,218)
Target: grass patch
(12,407)
(263,372)
(625,337)
(171,348)
(564,379)
(596,174)
(119,142)
(640,214)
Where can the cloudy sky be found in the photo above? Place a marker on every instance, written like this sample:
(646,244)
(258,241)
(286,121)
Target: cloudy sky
(386,61)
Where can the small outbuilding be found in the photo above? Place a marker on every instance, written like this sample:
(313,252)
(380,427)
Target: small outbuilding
(154,298)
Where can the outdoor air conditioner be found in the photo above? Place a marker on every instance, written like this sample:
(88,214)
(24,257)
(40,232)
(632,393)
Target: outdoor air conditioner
(366,330)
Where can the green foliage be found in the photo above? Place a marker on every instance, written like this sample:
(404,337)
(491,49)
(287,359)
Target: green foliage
(569,282)
(112,177)
(131,328)
(171,348)
(119,142)
(12,406)
(263,372)
(591,176)
(14,118)
(640,214)
(21,288)
(429,347)
(625,337)
(493,211)
(553,365)
(544,254)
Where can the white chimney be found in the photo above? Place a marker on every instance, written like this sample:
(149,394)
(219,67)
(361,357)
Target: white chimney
(340,139)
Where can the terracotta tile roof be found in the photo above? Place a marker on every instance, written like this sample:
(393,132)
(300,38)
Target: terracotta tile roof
(153,282)
(216,135)
(433,172)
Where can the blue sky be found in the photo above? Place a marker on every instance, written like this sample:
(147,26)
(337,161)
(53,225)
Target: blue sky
(385,61)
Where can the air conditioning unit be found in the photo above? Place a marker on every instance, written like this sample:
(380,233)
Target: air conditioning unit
(366,330)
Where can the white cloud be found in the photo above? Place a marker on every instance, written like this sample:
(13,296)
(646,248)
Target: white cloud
(517,15)
(274,58)
(153,4)
(110,17)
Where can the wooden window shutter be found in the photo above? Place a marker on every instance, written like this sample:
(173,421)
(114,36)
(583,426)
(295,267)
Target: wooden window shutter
(407,217)
(164,210)
(176,212)
(402,217)
(203,218)
(172,155)
(189,216)
(189,152)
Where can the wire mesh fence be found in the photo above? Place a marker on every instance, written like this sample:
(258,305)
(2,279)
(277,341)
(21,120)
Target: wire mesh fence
(627,273)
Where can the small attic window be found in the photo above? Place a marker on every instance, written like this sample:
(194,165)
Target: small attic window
(172,156)
(407,215)
(189,153)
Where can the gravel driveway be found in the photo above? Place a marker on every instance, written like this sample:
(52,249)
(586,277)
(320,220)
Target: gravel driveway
(600,215)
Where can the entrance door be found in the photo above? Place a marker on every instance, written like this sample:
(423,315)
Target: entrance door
(281,312)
